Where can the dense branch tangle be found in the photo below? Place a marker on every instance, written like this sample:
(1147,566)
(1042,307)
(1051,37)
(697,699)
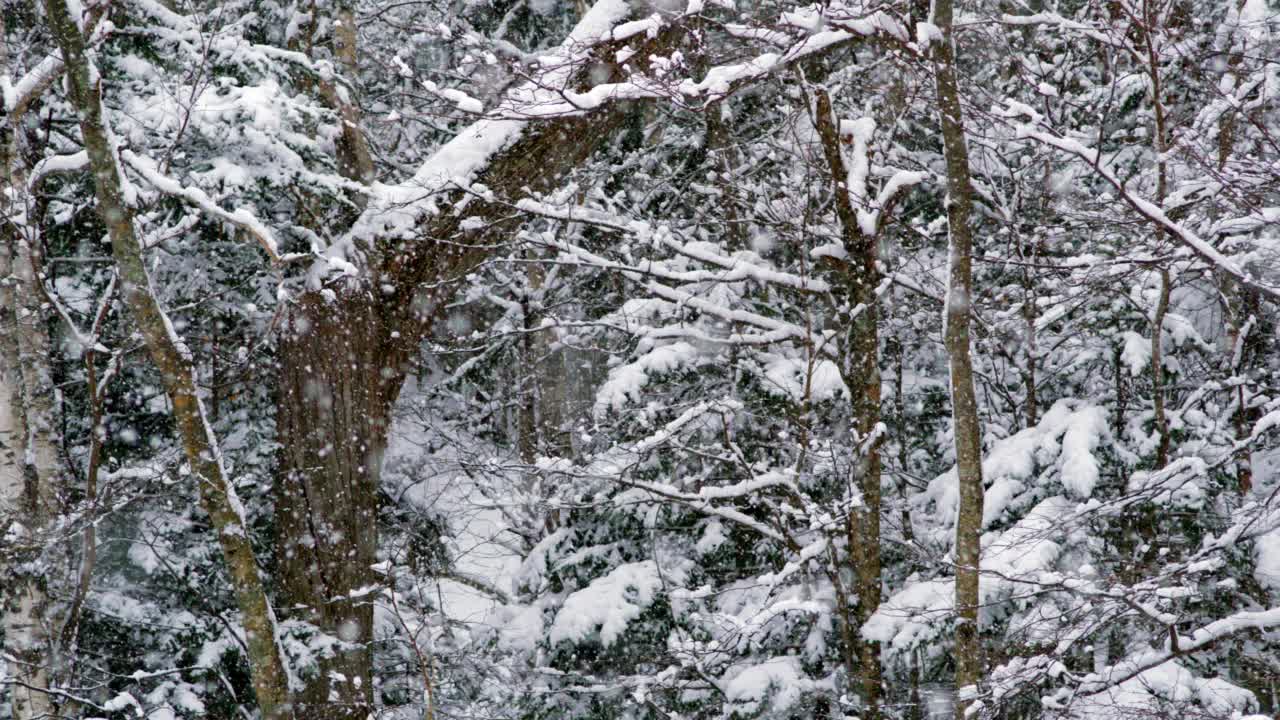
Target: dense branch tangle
(347,340)
(347,343)
(413,246)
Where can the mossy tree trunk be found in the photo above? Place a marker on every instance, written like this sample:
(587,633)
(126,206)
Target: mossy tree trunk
(174,362)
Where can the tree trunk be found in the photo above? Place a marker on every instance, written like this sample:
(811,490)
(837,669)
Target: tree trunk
(27,349)
(354,161)
(860,370)
(864,521)
(1157,372)
(337,382)
(39,405)
(964,401)
(1159,146)
(1242,310)
(29,463)
(540,378)
(173,360)
(22,511)
(1032,408)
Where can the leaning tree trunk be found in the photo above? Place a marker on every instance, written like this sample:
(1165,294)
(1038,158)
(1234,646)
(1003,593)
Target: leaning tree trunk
(173,360)
(964,401)
(342,362)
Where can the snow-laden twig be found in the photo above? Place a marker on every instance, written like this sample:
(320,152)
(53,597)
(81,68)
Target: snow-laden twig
(778,330)
(737,268)
(242,218)
(1147,209)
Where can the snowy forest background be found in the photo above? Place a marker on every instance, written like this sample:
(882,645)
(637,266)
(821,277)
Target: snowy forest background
(534,359)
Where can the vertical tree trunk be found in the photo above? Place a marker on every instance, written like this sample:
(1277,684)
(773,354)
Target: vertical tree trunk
(173,360)
(22,512)
(541,378)
(1029,314)
(354,161)
(337,382)
(964,402)
(39,404)
(1242,339)
(27,348)
(1160,144)
(864,521)
(1157,372)
(860,369)
(726,160)
(27,421)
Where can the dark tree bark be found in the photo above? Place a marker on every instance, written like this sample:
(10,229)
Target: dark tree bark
(860,370)
(1157,372)
(342,363)
(332,420)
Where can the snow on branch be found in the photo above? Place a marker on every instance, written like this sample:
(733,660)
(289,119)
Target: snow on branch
(721,81)
(1147,209)
(1054,20)
(738,267)
(16,97)
(396,210)
(778,329)
(1097,683)
(704,505)
(55,164)
(241,217)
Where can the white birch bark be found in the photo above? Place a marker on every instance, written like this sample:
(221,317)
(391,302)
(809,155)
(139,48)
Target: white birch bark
(25,599)
(24,499)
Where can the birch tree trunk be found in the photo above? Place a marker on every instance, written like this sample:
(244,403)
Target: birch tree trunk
(24,353)
(172,358)
(964,401)
(21,518)
(27,492)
